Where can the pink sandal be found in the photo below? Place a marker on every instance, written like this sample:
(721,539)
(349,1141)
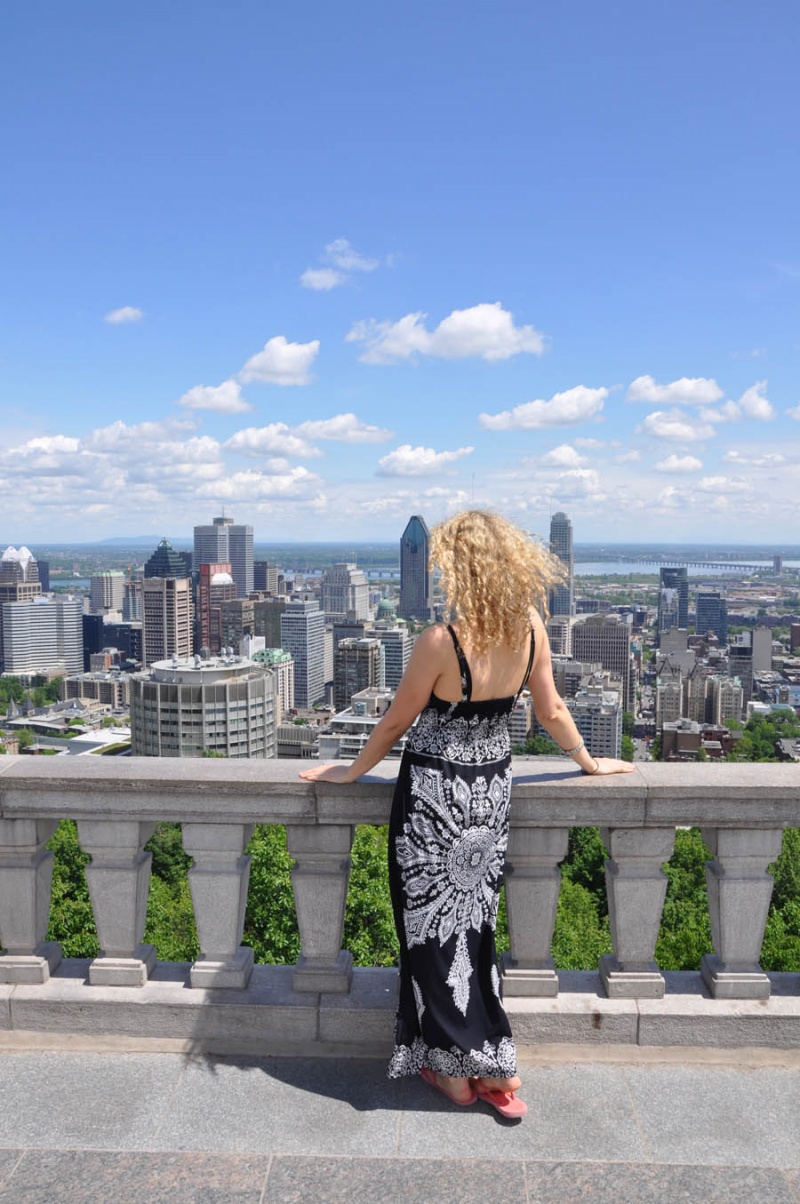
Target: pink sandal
(506,1102)
(430,1077)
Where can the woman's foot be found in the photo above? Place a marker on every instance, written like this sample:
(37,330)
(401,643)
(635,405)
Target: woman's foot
(492,1084)
(460,1091)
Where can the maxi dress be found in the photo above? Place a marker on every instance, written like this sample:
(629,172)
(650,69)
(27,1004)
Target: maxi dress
(448,836)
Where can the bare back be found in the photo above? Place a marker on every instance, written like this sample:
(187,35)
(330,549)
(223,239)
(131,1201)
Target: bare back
(496,673)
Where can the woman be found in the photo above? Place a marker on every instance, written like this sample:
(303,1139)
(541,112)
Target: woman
(449,823)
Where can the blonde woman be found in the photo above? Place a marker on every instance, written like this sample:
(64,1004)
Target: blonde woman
(449,822)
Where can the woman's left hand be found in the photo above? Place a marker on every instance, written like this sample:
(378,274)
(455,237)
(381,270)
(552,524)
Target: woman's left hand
(327,773)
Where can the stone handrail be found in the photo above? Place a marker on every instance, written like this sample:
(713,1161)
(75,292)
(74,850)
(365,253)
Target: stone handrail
(741,809)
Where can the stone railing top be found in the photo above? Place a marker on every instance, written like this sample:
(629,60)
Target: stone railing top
(548,792)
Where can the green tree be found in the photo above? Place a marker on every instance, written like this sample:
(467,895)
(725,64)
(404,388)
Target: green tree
(628,723)
(369,931)
(71,918)
(628,749)
(26,737)
(685,933)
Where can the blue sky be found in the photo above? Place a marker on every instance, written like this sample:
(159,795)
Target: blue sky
(327,265)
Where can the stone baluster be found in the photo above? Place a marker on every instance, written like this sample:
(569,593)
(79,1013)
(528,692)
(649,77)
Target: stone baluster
(739,892)
(26,874)
(533,881)
(636,886)
(319,881)
(118,878)
(218,881)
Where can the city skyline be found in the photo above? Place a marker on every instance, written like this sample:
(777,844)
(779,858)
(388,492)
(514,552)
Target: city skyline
(328,268)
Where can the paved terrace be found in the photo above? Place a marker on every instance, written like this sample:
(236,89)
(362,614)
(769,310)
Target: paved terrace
(126,1078)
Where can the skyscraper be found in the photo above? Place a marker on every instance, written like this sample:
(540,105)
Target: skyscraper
(42,634)
(357,666)
(416,579)
(607,639)
(712,615)
(226,542)
(562,597)
(303,636)
(345,592)
(673,598)
(167,609)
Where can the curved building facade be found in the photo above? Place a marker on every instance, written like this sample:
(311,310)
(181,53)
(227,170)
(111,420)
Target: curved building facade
(187,708)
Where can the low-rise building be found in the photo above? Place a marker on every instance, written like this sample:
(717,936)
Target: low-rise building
(349,730)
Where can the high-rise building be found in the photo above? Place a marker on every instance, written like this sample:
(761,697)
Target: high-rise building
(240,546)
(188,707)
(107,591)
(19,581)
(727,699)
(132,601)
(598,717)
(607,639)
(673,598)
(358,664)
(282,666)
(303,636)
(128,638)
(237,620)
(265,577)
(397,645)
(226,542)
(214,587)
(416,578)
(267,620)
(42,634)
(761,640)
(562,597)
(740,664)
(345,592)
(712,615)
(167,606)
(94,637)
(794,637)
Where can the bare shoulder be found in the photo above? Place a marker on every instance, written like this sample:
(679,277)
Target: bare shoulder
(434,639)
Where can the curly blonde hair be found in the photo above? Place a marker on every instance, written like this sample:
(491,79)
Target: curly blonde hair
(491,574)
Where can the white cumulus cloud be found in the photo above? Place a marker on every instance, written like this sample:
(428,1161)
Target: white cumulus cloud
(281,363)
(676,426)
(322,279)
(628,457)
(276,439)
(408,461)
(344,428)
(344,255)
(675,463)
(564,456)
(126,313)
(563,409)
(794,412)
(754,404)
(253,485)
(485,330)
(345,260)
(696,390)
(222,399)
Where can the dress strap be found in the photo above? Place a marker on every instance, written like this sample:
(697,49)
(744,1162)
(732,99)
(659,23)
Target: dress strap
(528,670)
(466,676)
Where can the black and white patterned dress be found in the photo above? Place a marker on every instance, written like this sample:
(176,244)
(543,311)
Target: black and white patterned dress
(447,842)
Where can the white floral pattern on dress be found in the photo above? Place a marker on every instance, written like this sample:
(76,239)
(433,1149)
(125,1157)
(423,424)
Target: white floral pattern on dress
(498,1060)
(419,1001)
(479,739)
(495,981)
(451,853)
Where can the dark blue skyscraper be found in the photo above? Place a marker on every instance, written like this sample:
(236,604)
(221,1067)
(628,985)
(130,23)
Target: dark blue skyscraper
(416,579)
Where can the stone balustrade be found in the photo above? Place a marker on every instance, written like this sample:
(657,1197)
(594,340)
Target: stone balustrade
(741,809)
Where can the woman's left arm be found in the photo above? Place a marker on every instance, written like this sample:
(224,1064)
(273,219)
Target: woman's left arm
(424,669)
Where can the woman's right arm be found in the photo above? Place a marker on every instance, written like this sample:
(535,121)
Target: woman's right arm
(554,716)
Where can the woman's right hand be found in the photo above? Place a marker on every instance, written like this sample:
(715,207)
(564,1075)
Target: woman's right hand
(607,765)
